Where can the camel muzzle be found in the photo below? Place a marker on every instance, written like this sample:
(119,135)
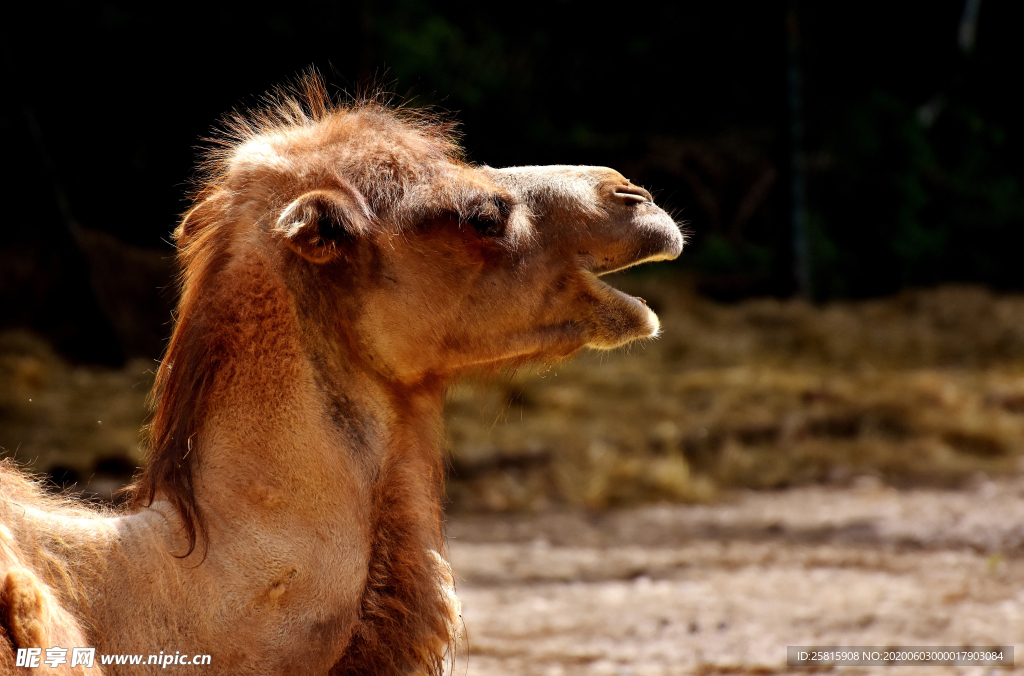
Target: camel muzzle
(649,235)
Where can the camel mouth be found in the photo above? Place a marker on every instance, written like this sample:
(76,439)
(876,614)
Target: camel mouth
(624,318)
(636,302)
(621,318)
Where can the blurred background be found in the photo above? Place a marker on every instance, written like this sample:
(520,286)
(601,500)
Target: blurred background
(824,447)
(850,175)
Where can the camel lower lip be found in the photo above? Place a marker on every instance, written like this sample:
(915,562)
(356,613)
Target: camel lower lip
(633,299)
(619,318)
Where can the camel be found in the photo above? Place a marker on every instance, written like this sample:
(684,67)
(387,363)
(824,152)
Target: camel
(342,265)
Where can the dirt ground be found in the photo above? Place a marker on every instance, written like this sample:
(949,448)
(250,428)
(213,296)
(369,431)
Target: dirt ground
(723,589)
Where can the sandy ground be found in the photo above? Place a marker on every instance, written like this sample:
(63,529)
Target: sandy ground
(723,589)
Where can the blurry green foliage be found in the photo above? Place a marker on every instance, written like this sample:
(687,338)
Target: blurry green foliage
(907,203)
(422,46)
(718,255)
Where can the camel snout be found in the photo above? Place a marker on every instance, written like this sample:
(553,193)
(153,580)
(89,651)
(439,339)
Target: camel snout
(636,230)
(648,236)
(657,237)
(671,236)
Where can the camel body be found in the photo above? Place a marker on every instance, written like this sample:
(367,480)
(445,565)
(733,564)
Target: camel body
(342,266)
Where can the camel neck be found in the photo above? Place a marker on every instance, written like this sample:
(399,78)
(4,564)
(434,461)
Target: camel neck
(286,411)
(318,482)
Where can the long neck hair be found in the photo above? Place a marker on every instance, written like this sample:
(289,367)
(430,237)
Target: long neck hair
(185,378)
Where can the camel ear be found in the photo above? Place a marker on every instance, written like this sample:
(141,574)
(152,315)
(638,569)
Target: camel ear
(200,216)
(319,223)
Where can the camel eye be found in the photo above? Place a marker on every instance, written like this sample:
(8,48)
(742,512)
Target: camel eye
(490,218)
(502,205)
(487,227)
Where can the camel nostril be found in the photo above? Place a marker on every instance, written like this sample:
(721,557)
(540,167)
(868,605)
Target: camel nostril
(632,194)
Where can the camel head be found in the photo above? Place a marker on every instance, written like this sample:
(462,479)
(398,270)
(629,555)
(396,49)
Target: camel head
(421,264)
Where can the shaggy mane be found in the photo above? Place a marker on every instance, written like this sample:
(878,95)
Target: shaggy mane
(306,104)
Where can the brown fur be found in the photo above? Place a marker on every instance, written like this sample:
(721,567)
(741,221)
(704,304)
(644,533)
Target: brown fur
(341,266)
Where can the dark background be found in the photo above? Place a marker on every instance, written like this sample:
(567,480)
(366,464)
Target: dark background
(909,138)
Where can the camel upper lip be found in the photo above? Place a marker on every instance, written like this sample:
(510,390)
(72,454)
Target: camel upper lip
(601,271)
(647,237)
(665,251)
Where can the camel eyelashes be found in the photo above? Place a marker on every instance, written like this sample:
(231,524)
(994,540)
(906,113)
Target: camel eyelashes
(487,225)
(490,217)
(502,205)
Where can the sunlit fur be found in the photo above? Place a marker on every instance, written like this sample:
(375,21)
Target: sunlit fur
(341,266)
